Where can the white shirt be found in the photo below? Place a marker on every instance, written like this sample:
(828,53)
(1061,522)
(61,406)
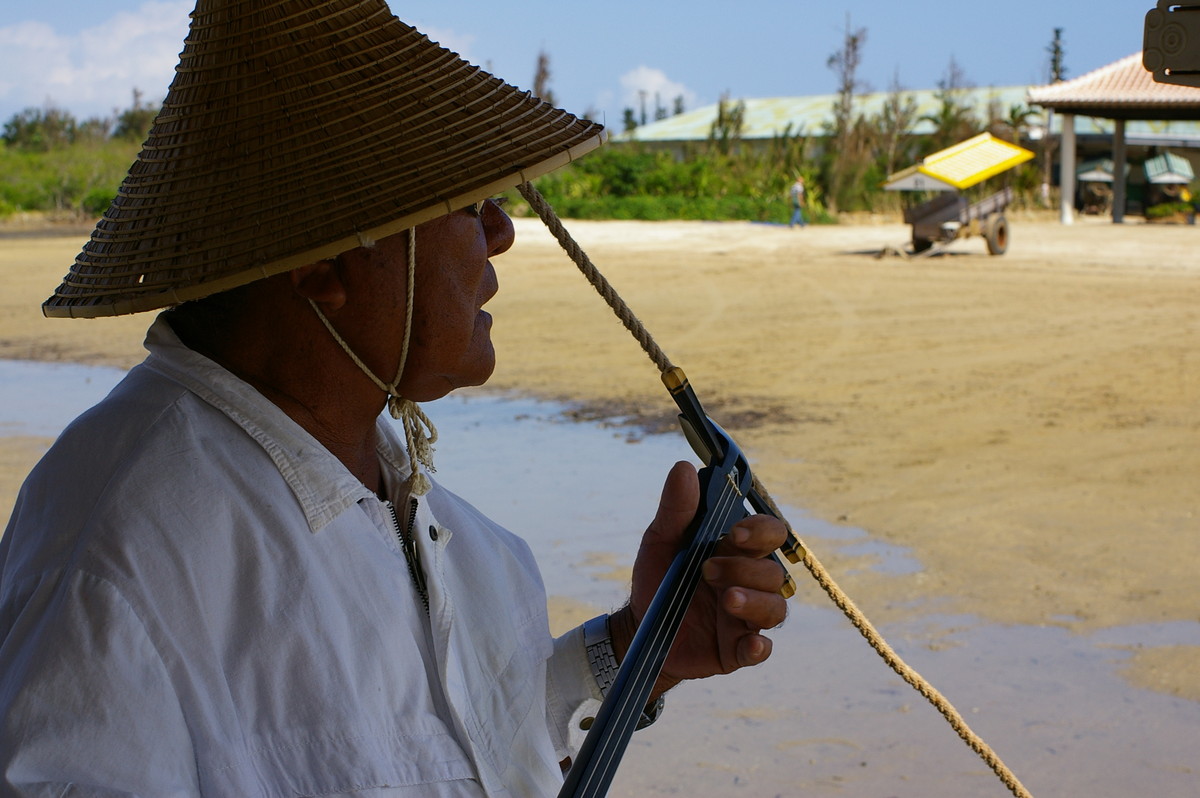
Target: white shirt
(197,598)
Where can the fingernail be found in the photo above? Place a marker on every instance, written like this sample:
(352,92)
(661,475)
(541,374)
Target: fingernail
(737,599)
(739,534)
(711,570)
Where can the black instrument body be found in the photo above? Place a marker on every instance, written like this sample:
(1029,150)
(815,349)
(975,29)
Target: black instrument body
(725,488)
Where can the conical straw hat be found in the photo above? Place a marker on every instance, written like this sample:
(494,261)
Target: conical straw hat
(292,128)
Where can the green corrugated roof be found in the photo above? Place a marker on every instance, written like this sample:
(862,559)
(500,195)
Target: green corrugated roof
(1169,168)
(1097,170)
(768,117)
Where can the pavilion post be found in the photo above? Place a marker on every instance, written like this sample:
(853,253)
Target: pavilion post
(1066,171)
(1118,211)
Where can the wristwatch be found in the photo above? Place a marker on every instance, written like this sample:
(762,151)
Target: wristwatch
(601,656)
(603,661)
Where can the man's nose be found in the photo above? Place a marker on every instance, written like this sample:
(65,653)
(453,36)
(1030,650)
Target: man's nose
(498,229)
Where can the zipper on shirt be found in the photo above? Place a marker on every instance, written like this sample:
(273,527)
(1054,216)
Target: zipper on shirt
(408,544)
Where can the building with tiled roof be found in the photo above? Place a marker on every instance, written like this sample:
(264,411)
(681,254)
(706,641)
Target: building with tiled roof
(1124,92)
(1121,90)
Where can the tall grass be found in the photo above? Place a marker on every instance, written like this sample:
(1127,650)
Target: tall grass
(79,179)
(628,181)
(620,181)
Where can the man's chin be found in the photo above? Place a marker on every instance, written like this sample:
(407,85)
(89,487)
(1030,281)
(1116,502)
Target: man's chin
(453,382)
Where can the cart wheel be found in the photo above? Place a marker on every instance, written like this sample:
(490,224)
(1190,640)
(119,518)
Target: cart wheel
(921,244)
(997,234)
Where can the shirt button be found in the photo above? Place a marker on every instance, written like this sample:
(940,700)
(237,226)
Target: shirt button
(432,532)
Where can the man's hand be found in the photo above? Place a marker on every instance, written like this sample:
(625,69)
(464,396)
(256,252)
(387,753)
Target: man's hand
(736,598)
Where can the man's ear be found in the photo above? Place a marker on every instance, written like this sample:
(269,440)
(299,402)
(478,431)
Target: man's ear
(321,282)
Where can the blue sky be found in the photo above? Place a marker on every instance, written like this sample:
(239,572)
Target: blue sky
(88,55)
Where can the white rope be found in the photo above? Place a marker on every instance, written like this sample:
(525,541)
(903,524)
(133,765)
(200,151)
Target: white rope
(419,432)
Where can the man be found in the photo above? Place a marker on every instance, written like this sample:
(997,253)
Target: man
(231,577)
(796,194)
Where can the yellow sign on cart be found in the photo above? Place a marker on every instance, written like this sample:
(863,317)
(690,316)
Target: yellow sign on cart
(961,166)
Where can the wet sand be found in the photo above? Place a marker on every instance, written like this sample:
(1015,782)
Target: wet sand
(1027,425)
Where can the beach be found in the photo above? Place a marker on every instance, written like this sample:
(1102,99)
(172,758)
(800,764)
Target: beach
(1027,425)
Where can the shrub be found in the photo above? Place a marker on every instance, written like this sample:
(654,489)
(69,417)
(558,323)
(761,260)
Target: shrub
(96,201)
(81,178)
(1165,210)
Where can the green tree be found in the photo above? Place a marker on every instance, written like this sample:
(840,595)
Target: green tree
(40,129)
(1013,124)
(134,123)
(893,124)
(1058,71)
(726,131)
(541,78)
(844,157)
(94,130)
(954,119)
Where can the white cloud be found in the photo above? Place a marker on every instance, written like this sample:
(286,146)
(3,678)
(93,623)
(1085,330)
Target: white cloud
(27,49)
(94,71)
(655,84)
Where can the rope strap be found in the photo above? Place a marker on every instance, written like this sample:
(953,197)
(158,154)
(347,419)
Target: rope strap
(419,432)
(814,566)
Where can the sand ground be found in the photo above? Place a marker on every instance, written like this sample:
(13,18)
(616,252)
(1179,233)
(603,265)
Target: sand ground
(1029,425)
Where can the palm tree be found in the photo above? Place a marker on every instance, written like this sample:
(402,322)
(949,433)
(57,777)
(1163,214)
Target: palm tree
(1015,124)
(954,120)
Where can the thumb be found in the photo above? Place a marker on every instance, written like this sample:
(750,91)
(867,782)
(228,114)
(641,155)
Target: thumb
(676,508)
(663,538)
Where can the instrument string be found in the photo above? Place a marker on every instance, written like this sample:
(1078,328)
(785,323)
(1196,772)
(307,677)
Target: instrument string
(632,701)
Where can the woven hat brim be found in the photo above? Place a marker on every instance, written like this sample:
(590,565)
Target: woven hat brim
(292,130)
(96,303)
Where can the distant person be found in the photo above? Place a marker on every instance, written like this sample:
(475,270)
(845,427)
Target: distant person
(797,196)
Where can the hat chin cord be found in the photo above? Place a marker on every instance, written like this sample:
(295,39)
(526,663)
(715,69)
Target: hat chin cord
(419,432)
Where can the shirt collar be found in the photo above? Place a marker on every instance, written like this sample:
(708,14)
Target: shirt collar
(323,486)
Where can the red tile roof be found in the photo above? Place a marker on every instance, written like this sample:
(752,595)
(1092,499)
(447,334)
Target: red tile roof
(1122,90)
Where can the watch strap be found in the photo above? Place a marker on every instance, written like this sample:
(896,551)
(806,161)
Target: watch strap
(602,659)
(601,656)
